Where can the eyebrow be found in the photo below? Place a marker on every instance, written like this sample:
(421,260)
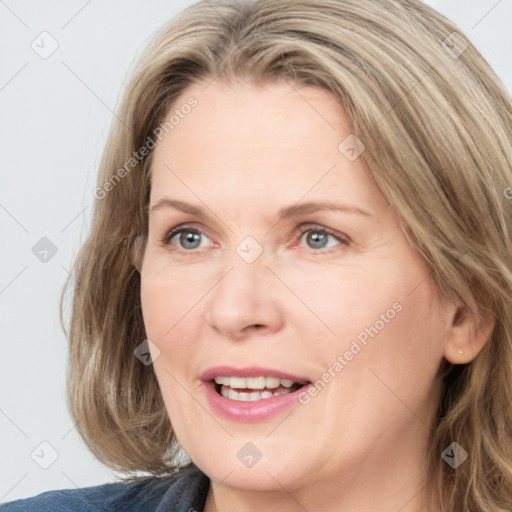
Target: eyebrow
(289,211)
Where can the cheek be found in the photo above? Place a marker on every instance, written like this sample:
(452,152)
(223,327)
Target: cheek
(335,305)
(168,299)
(382,318)
(390,361)
(171,323)
(170,312)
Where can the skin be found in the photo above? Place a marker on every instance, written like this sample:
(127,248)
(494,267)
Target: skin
(242,154)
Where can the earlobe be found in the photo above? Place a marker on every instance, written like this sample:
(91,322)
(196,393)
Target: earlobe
(467,336)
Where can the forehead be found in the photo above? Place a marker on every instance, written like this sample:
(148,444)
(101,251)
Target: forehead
(245,139)
(244,115)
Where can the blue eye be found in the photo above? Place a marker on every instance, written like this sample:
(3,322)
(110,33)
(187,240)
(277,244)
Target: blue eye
(187,238)
(318,237)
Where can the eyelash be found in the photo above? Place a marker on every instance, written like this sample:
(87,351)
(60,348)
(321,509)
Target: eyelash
(166,240)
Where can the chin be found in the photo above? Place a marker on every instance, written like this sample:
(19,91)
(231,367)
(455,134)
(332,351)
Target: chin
(263,476)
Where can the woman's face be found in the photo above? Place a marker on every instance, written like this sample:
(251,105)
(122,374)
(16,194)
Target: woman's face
(287,266)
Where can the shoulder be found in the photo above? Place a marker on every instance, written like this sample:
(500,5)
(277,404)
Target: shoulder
(183,490)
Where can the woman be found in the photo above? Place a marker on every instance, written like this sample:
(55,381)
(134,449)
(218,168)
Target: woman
(299,269)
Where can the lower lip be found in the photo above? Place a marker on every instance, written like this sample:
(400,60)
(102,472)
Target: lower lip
(249,412)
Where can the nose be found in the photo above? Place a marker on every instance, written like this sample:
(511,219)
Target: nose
(245,301)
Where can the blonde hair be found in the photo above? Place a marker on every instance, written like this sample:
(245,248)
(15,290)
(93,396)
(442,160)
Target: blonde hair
(436,122)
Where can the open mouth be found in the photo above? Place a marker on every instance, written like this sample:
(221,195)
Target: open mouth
(252,389)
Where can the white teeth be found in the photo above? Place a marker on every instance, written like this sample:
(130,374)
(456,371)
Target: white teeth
(272,382)
(237,382)
(254,382)
(241,396)
(234,388)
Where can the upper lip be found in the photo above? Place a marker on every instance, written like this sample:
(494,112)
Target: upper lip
(248,371)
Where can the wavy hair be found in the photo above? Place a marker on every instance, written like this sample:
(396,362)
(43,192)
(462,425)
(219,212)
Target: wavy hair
(437,124)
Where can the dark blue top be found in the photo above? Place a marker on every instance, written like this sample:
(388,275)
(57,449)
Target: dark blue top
(181,492)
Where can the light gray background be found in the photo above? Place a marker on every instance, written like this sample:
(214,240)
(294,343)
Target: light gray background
(55,116)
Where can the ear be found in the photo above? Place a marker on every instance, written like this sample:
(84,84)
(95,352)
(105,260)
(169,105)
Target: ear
(136,249)
(467,335)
